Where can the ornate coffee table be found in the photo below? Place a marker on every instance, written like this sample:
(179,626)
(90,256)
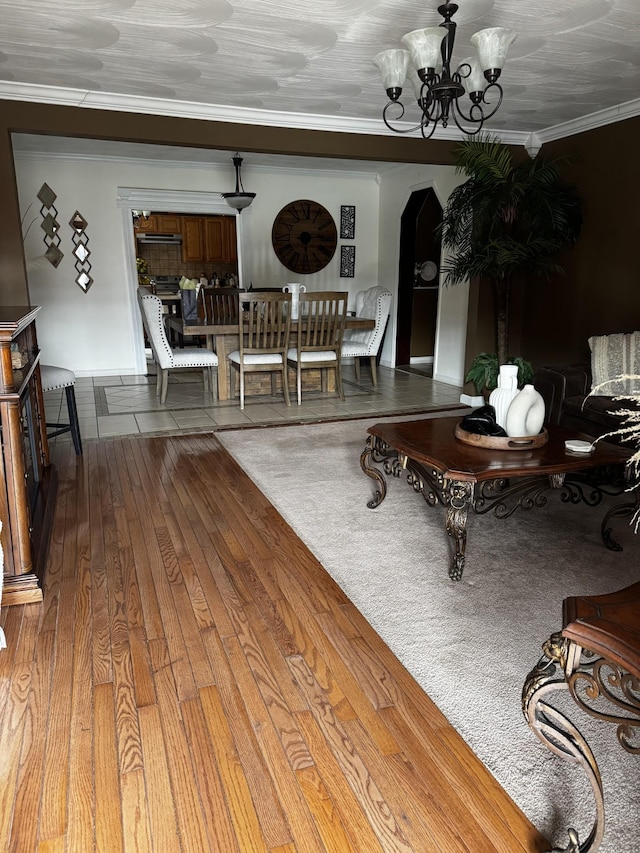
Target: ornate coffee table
(460,476)
(596,657)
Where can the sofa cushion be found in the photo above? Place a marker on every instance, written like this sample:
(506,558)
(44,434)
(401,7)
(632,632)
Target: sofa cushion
(602,412)
(612,357)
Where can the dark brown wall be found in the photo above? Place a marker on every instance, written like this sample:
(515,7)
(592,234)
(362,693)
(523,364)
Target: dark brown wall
(600,293)
(22,117)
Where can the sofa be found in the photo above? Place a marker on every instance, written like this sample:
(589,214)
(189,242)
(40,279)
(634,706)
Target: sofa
(581,396)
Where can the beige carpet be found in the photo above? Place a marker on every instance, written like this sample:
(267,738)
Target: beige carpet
(469,644)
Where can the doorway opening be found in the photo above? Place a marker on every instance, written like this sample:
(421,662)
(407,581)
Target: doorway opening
(418,282)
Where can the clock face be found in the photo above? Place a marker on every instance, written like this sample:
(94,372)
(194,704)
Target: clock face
(304,236)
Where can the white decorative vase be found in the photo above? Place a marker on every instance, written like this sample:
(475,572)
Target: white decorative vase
(501,397)
(526,413)
(295,290)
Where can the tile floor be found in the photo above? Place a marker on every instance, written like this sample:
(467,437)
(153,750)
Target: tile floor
(127,405)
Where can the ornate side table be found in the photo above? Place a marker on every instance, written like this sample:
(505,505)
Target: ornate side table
(596,657)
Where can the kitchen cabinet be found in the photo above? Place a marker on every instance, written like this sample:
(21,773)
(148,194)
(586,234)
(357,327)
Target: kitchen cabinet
(220,239)
(160,223)
(28,481)
(209,238)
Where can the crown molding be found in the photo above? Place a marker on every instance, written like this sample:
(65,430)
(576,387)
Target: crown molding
(611,115)
(177,163)
(90,99)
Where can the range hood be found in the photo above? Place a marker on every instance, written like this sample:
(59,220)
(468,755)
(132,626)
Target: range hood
(159,238)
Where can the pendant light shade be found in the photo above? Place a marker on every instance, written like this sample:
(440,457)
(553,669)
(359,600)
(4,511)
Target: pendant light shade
(239,199)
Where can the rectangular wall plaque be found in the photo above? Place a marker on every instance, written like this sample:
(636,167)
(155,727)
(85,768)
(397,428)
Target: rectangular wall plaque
(347,261)
(347,222)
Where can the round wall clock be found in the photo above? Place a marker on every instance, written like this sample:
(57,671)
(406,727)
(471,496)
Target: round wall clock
(304,236)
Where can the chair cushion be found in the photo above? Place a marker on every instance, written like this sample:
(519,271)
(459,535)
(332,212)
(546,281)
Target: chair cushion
(257,358)
(312,355)
(194,357)
(613,357)
(354,349)
(56,377)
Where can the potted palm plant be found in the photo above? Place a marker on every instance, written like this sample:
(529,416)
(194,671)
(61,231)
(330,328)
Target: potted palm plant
(506,218)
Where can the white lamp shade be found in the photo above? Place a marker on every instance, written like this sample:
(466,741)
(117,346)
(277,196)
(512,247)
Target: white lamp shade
(492,45)
(425,47)
(238,201)
(476,81)
(392,65)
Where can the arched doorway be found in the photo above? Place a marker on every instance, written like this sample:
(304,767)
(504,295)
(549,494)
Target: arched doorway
(418,281)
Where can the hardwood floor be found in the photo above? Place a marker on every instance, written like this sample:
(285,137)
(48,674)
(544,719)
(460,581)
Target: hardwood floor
(194,680)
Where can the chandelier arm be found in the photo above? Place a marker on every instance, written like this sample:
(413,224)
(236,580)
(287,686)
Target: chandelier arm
(399,118)
(477,107)
(455,112)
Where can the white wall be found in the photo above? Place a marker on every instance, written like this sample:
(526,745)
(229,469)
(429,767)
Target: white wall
(98,333)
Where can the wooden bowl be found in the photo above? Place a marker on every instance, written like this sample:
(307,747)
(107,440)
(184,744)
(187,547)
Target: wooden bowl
(501,442)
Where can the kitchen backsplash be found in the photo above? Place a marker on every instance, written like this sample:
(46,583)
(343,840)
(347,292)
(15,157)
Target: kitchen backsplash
(166,259)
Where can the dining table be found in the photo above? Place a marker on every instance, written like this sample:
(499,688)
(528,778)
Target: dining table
(222,338)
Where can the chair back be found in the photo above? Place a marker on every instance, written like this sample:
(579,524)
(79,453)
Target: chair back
(264,323)
(220,304)
(151,311)
(321,320)
(374,304)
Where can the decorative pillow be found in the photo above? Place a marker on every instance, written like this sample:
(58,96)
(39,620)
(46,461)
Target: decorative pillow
(612,357)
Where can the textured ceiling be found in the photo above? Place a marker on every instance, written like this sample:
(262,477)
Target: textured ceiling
(308,62)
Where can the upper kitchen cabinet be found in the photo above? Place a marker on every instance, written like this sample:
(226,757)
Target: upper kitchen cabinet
(209,238)
(160,223)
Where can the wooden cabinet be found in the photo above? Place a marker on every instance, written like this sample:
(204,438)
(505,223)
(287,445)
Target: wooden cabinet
(192,238)
(209,238)
(160,223)
(220,239)
(28,481)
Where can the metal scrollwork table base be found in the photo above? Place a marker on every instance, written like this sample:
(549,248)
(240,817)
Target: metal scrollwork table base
(596,657)
(462,477)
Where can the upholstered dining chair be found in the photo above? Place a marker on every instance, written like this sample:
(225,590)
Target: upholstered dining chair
(374,304)
(318,339)
(165,357)
(52,378)
(263,331)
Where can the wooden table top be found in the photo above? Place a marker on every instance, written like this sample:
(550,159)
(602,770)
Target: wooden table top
(608,625)
(230,327)
(432,443)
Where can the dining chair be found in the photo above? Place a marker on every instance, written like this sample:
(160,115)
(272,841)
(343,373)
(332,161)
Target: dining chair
(320,328)
(263,331)
(165,357)
(374,304)
(220,304)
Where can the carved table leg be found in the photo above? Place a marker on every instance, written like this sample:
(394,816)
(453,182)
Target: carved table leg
(374,473)
(457,496)
(559,734)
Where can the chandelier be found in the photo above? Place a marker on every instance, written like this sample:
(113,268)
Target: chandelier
(239,199)
(141,218)
(426,64)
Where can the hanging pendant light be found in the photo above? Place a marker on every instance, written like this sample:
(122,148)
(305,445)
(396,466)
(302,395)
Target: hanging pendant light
(239,199)
(426,64)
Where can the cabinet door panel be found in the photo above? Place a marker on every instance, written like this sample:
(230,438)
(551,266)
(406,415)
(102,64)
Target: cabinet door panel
(169,223)
(214,239)
(192,239)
